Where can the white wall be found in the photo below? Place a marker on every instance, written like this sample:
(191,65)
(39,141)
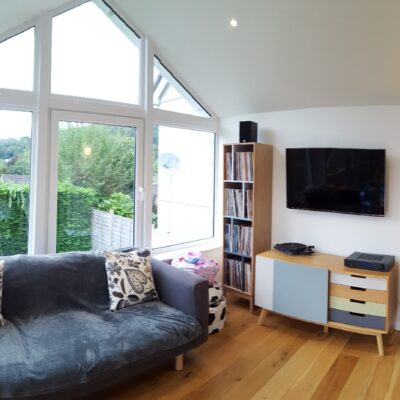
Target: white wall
(358,127)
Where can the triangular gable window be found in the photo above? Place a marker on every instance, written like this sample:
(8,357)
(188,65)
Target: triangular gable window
(17,61)
(170,95)
(95,55)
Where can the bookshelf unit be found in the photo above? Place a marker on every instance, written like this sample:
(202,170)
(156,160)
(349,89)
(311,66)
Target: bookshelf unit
(247,214)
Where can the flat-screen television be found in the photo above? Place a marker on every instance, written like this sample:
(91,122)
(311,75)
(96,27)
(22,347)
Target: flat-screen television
(337,180)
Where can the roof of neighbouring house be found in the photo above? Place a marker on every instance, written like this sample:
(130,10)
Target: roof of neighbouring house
(21,179)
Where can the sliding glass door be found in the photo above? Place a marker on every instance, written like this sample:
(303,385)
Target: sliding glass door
(94,189)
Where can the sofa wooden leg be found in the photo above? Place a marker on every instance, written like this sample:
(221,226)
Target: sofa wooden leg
(263,316)
(179,362)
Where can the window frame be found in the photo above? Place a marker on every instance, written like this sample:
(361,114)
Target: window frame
(203,241)
(101,119)
(42,103)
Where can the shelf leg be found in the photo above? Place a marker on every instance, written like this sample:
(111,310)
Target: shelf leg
(326,329)
(252,305)
(263,316)
(179,362)
(380,344)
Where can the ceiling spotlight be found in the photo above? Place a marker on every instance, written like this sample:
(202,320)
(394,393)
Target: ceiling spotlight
(233,22)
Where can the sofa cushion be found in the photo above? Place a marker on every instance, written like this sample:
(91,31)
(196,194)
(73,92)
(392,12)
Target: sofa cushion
(47,284)
(130,279)
(2,320)
(56,351)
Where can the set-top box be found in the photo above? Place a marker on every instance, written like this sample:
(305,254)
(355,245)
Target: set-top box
(372,262)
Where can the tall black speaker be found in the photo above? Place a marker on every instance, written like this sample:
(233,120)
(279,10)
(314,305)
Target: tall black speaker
(247,132)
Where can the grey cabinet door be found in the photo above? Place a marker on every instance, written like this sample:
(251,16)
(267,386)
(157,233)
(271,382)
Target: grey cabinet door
(301,291)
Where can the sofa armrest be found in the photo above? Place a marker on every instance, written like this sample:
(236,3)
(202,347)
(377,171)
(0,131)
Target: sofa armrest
(183,290)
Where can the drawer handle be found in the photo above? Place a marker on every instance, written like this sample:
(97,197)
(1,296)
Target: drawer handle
(358,288)
(357,314)
(358,276)
(357,301)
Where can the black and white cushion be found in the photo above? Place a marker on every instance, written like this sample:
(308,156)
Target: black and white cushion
(2,320)
(217,316)
(130,279)
(215,294)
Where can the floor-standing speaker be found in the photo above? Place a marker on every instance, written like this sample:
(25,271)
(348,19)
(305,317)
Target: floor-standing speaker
(247,132)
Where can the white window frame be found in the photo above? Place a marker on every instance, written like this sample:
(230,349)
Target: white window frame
(44,151)
(56,117)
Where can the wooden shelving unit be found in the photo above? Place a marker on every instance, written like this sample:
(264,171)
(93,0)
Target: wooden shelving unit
(247,214)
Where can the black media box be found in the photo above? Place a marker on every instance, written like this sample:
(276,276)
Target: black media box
(372,262)
(248,132)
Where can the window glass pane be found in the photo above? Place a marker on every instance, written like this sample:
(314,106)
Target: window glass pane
(92,57)
(183,186)
(170,95)
(15,166)
(95,194)
(17,61)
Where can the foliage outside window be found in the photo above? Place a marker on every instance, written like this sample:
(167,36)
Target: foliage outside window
(99,59)
(96,171)
(15,155)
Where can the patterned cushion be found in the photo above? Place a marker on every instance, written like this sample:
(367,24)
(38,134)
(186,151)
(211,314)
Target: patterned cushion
(2,320)
(130,279)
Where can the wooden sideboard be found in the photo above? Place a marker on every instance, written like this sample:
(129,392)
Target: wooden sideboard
(318,288)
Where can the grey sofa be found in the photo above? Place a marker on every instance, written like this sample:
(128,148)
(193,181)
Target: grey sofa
(61,340)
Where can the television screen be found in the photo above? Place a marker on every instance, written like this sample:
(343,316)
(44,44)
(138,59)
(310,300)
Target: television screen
(337,180)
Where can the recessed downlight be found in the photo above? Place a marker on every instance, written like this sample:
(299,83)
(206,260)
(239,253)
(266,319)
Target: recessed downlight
(233,23)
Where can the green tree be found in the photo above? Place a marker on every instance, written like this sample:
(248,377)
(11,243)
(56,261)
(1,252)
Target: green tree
(98,157)
(21,165)
(10,147)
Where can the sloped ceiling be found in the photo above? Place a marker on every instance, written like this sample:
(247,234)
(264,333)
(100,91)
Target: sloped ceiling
(284,54)
(16,12)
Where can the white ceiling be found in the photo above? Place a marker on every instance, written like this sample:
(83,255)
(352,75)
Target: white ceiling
(16,12)
(285,54)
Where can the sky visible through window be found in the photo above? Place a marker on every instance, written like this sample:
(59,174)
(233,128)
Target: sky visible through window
(93,58)
(16,61)
(15,124)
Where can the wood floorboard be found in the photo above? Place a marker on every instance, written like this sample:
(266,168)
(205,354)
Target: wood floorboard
(284,359)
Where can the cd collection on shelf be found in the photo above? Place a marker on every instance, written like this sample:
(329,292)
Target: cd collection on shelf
(243,168)
(228,167)
(246,214)
(237,274)
(238,239)
(237,205)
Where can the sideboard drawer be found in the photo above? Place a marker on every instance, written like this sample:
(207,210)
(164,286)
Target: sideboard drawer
(357,319)
(356,306)
(358,280)
(357,293)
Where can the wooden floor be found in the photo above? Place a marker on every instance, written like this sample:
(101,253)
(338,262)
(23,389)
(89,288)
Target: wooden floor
(285,359)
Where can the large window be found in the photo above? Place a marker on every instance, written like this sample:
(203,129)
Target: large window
(94,56)
(108,169)
(183,186)
(16,61)
(95,191)
(15,159)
